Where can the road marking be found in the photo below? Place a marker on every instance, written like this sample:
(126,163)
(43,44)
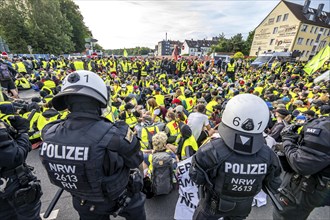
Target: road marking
(52,216)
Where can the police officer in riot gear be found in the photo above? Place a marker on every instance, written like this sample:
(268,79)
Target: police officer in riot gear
(89,156)
(20,190)
(306,182)
(232,169)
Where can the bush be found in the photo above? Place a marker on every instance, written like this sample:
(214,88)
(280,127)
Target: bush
(238,55)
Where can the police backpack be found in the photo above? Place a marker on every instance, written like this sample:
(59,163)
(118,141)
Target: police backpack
(316,135)
(162,173)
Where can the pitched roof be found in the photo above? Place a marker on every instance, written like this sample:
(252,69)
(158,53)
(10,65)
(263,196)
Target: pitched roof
(200,43)
(297,10)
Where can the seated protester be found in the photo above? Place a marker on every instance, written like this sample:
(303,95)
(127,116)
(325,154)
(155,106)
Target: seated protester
(7,74)
(172,128)
(187,144)
(180,114)
(129,115)
(162,164)
(199,124)
(154,110)
(49,114)
(147,131)
(124,102)
(22,83)
(215,118)
(159,142)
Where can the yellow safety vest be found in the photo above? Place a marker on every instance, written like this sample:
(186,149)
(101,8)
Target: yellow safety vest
(113,67)
(188,142)
(131,120)
(144,70)
(209,107)
(44,64)
(78,65)
(231,67)
(42,121)
(146,136)
(21,67)
(190,102)
(160,99)
(124,66)
(23,83)
(259,90)
(50,84)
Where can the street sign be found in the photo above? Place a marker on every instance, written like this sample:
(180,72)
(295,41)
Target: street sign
(87,46)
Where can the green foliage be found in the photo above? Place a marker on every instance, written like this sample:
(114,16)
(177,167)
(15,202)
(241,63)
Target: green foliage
(79,30)
(137,51)
(248,43)
(54,26)
(238,55)
(234,44)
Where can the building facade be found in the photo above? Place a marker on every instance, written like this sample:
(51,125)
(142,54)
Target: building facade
(166,47)
(291,27)
(197,47)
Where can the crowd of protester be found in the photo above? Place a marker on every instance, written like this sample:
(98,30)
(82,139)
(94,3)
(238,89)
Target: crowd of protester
(182,98)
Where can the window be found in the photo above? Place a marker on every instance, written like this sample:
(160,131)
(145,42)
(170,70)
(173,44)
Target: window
(278,19)
(300,40)
(317,38)
(271,41)
(304,27)
(271,21)
(325,32)
(321,29)
(316,30)
(307,53)
(312,41)
(285,17)
(311,17)
(275,30)
(314,48)
(307,41)
(311,29)
(302,53)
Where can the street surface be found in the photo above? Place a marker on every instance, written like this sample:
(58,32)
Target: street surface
(159,208)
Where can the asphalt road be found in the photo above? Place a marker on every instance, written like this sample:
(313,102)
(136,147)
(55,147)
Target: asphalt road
(158,208)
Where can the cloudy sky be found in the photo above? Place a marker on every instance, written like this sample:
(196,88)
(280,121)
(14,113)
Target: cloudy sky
(119,24)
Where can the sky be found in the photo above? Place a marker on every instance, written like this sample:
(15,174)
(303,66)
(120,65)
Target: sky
(127,24)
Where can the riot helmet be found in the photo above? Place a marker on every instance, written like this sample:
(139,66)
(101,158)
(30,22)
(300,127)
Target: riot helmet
(244,119)
(84,83)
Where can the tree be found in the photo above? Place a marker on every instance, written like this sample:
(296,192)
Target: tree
(236,43)
(13,27)
(48,26)
(248,43)
(238,55)
(79,30)
(52,29)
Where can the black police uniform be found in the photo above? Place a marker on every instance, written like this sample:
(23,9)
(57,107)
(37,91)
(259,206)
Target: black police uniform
(91,158)
(308,184)
(20,192)
(229,178)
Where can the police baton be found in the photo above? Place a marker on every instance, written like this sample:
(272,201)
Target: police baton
(53,202)
(276,203)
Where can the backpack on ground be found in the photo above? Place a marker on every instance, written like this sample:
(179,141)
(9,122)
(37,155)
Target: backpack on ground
(162,173)
(5,74)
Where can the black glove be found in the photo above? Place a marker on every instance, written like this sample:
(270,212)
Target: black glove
(22,125)
(135,181)
(289,133)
